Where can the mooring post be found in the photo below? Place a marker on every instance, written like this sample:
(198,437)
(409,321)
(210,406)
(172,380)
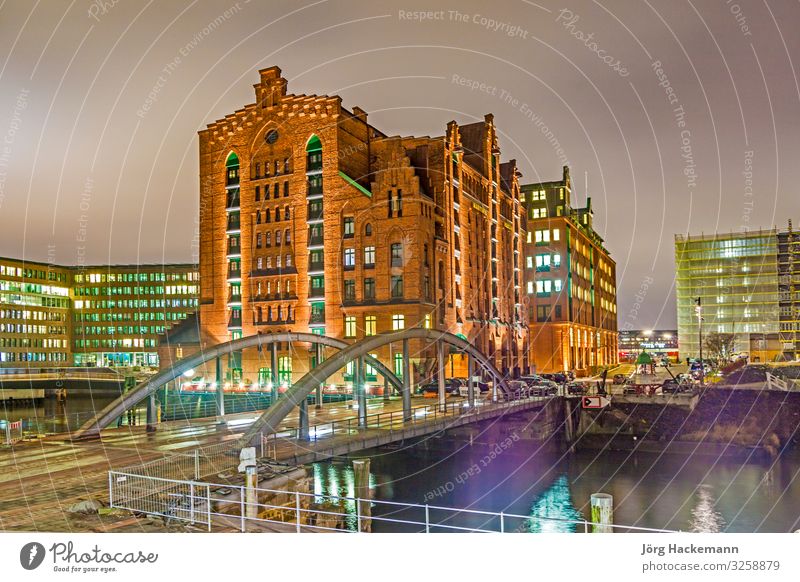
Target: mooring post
(361,471)
(602,512)
(406,382)
(247,464)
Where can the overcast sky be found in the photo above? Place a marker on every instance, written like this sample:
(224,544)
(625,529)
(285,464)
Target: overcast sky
(101,102)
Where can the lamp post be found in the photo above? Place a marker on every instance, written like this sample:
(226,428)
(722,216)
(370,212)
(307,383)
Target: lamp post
(699,310)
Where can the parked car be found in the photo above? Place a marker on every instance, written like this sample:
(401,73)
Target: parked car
(671,386)
(452,386)
(576,388)
(480,387)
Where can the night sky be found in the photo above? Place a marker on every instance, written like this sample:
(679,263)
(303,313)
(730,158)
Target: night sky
(681,116)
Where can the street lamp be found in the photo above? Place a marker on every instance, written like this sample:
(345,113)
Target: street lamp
(698,309)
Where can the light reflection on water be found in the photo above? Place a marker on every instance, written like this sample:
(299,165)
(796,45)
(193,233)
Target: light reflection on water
(678,492)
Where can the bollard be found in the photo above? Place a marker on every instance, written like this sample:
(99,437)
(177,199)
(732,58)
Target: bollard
(364,509)
(602,512)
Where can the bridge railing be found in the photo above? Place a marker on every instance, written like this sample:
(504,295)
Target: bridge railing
(229,507)
(385,420)
(224,457)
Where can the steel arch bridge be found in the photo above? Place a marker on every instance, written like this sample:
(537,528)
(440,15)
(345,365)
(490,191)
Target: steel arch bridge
(297,394)
(142,391)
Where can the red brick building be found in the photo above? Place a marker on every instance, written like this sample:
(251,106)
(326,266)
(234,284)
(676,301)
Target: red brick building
(570,283)
(311,219)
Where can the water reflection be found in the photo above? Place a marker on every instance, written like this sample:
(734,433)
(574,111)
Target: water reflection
(705,517)
(555,504)
(678,492)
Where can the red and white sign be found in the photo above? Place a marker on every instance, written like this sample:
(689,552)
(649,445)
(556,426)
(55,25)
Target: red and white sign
(595,402)
(15,425)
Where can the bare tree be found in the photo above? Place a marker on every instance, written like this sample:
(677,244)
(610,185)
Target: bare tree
(719,345)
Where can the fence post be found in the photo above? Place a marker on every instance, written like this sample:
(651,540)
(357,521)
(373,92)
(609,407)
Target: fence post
(196,464)
(297,509)
(502,523)
(110,490)
(191,503)
(241,506)
(427,519)
(208,505)
(361,474)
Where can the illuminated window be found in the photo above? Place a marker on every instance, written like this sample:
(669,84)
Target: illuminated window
(370,325)
(398,322)
(350,326)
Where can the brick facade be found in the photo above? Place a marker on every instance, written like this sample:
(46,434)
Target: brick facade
(379,227)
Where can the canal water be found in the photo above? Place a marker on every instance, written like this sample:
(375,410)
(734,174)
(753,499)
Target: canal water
(678,492)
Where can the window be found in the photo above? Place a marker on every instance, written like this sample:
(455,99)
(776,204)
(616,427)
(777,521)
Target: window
(558,312)
(368,230)
(427,321)
(350,326)
(288,261)
(542,236)
(398,322)
(287,236)
(258,240)
(370,325)
(287,213)
(349,290)
(349,259)
(277,238)
(397,286)
(557,284)
(369,288)
(530,286)
(542,312)
(542,262)
(275,192)
(258,188)
(556,234)
(369,257)
(539,213)
(529,262)
(268,239)
(397,254)
(556,260)
(286,189)
(349,227)
(544,287)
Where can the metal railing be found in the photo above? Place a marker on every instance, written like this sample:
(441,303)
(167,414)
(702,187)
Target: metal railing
(387,420)
(231,507)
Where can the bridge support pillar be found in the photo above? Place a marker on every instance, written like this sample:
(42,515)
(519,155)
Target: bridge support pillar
(360,393)
(303,430)
(273,369)
(151,413)
(318,394)
(440,373)
(470,381)
(406,382)
(363,509)
(220,389)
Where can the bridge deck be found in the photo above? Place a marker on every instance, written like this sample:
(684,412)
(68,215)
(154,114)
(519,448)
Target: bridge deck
(40,479)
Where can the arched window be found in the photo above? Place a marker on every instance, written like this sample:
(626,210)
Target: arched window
(232,170)
(287,238)
(368,229)
(286,213)
(277,238)
(277,215)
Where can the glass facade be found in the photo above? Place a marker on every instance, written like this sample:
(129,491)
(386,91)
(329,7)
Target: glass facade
(735,276)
